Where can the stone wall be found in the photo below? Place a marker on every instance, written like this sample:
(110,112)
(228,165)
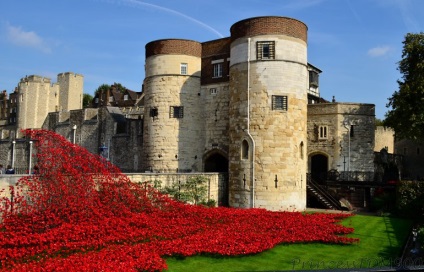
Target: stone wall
(215,182)
(413,158)
(350,139)
(384,138)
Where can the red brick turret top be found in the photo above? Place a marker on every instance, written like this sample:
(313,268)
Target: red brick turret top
(174,46)
(269,25)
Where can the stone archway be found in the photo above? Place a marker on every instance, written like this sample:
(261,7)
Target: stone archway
(216,163)
(319,167)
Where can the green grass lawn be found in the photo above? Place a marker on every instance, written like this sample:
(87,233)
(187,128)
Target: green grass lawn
(381,241)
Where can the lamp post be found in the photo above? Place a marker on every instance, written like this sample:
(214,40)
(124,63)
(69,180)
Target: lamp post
(347,125)
(13,153)
(74,128)
(30,157)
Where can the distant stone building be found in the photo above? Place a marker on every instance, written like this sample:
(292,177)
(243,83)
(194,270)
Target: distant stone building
(35,97)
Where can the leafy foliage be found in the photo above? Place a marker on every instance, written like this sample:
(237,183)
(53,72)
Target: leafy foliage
(102,88)
(407,104)
(411,199)
(193,190)
(86,100)
(105,87)
(80,213)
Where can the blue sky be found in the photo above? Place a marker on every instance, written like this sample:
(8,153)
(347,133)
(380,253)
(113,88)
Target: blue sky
(356,43)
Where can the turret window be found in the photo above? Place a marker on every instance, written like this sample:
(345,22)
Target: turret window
(176,112)
(265,50)
(279,102)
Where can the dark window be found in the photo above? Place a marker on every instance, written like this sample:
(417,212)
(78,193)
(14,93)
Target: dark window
(352,131)
(313,79)
(244,150)
(121,127)
(153,112)
(279,102)
(265,50)
(176,112)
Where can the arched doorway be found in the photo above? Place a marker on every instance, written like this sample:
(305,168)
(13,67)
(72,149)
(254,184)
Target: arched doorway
(216,162)
(319,167)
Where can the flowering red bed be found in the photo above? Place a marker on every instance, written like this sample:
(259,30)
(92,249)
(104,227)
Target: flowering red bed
(80,213)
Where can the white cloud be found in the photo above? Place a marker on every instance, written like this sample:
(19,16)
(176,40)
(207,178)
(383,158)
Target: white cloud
(378,51)
(26,38)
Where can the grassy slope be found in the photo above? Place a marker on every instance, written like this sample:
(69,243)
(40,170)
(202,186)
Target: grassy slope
(382,238)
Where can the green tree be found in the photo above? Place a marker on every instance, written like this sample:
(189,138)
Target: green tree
(103,87)
(406,115)
(86,100)
(379,122)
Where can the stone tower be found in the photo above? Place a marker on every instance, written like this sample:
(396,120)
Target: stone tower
(172,112)
(268,113)
(36,96)
(70,91)
(35,99)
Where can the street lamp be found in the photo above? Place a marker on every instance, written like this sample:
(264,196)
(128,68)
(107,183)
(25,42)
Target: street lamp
(74,128)
(30,157)
(348,125)
(13,153)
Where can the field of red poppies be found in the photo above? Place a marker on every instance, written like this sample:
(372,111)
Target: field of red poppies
(80,213)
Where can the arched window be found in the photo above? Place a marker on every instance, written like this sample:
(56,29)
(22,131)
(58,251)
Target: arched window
(244,150)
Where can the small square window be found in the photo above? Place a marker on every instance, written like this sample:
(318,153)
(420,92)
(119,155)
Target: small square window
(323,132)
(279,102)
(217,70)
(176,112)
(265,50)
(183,68)
(153,112)
(213,91)
(126,97)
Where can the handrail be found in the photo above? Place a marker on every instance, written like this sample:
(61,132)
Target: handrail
(323,192)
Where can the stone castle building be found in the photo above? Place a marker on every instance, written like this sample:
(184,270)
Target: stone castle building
(35,97)
(247,105)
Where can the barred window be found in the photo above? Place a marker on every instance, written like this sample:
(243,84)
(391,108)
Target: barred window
(279,102)
(176,112)
(265,50)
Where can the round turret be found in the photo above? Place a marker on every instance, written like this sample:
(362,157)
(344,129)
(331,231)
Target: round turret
(268,113)
(172,110)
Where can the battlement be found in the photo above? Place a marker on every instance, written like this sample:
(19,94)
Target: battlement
(382,129)
(35,79)
(69,74)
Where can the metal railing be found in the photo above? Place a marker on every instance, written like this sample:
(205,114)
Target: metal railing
(324,193)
